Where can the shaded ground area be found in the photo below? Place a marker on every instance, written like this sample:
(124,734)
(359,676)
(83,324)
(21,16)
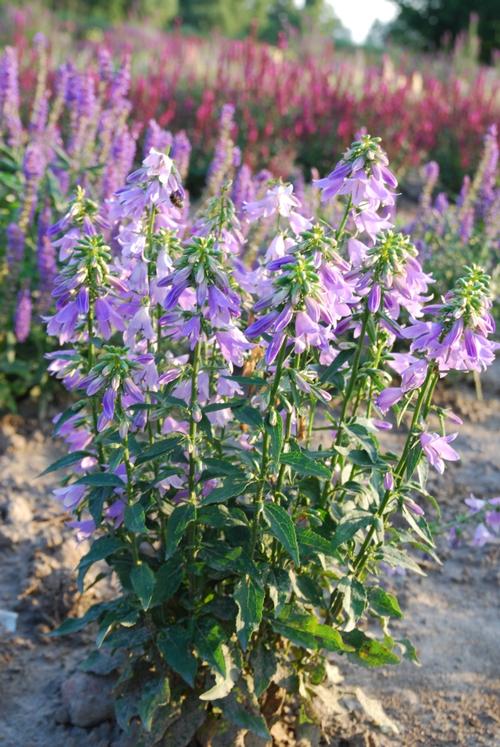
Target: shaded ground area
(452,614)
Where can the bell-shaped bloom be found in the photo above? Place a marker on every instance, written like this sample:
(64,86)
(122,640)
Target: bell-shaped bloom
(437,449)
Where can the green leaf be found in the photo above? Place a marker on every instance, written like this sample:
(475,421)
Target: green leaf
(264,665)
(349,526)
(304,465)
(101,480)
(383,603)
(178,521)
(360,458)
(409,650)
(143,582)
(248,416)
(135,519)
(250,601)
(159,449)
(368,651)
(413,460)
(221,468)
(221,517)
(313,541)
(96,498)
(245,718)
(354,597)
(75,624)
(305,630)
(281,527)
(209,637)
(227,405)
(419,526)
(175,646)
(223,685)
(247,380)
(101,549)
(229,489)
(154,695)
(168,579)
(66,461)
(398,558)
(339,361)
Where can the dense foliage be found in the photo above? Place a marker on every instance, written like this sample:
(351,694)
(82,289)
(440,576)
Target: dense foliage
(431,23)
(232,370)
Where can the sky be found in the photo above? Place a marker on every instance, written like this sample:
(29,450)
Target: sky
(359,15)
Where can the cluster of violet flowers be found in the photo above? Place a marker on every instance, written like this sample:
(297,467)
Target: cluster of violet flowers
(231,370)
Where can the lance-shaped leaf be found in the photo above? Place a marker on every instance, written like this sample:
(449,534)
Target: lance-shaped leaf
(250,600)
(102,548)
(223,684)
(168,579)
(135,519)
(208,641)
(369,651)
(305,465)
(101,480)
(383,603)
(175,646)
(154,695)
(178,521)
(66,461)
(349,526)
(281,527)
(143,583)
(159,449)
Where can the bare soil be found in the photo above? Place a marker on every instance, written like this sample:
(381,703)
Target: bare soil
(452,614)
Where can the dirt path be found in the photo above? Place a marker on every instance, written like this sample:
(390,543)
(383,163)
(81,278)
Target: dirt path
(452,615)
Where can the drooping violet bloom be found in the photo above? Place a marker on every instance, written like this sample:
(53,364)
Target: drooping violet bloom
(84,528)
(70,496)
(363,174)
(459,339)
(391,275)
(157,183)
(116,512)
(388,398)
(22,321)
(278,200)
(437,449)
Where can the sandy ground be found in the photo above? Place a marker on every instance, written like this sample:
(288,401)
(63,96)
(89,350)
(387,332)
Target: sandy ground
(452,614)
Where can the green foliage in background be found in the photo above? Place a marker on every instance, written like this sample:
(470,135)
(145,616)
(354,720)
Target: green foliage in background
(427,23)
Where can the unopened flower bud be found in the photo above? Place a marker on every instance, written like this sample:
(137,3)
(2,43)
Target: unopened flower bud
(388,481)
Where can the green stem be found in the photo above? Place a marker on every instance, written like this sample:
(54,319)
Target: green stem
(342,224)
(90,365)
(193,432)
(265,448)
(421,408)
(193,425)
(347,398)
